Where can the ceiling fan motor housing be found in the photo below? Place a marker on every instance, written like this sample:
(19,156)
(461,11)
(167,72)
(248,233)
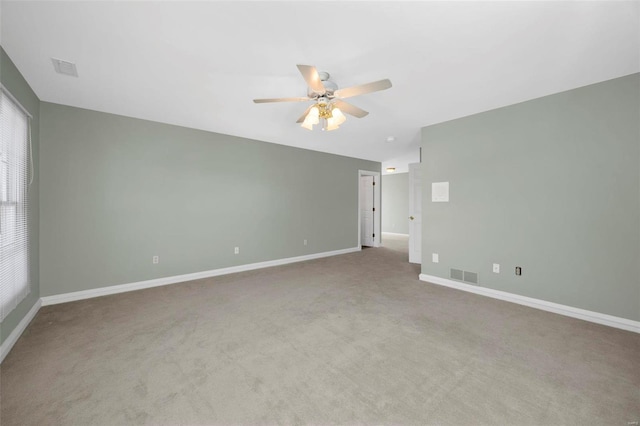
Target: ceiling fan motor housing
(329,85)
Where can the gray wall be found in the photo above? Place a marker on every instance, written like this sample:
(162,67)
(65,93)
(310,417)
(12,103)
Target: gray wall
(117,191)
(16,84)
(551,185)
(395,203)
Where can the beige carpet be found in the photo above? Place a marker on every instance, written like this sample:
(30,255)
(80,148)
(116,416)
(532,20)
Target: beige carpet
(352,339)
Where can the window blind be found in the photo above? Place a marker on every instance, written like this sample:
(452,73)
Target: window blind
(14,174)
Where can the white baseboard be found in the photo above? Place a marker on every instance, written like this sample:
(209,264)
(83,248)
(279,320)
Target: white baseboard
(570,311)
(17,332)
(122,288)
(394,233)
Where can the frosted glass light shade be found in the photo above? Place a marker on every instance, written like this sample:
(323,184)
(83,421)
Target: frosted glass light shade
(312,117)
(332,124)
(338,116)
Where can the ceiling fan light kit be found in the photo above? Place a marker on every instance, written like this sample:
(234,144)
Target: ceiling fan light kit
(329,108)
(326,114)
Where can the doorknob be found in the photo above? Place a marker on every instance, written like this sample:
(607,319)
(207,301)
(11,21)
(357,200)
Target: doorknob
(411,217)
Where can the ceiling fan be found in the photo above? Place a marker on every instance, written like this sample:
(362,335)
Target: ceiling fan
(328,107)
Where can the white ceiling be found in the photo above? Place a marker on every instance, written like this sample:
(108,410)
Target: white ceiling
(200,64)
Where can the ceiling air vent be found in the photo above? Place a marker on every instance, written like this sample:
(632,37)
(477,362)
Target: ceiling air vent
(65,67)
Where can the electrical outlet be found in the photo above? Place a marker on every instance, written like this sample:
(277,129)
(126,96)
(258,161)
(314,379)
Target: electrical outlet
(496,268)
(305,242)
(156,259)
(435,258)
(236,250)
(518,270)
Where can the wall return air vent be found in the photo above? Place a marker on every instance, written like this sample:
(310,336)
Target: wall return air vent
(457,274)
(64,67)
(466,276)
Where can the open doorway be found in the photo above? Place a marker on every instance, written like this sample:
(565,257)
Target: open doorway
(368,209)
(395,212)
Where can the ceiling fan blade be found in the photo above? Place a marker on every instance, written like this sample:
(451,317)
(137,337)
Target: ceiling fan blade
(303,116)
(349,92)
(350,109)
(262,101)
(310,75)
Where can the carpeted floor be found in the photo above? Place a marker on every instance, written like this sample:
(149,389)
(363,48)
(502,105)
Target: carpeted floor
(352,339)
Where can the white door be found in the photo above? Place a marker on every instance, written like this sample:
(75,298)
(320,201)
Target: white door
(415,214)
(366,210)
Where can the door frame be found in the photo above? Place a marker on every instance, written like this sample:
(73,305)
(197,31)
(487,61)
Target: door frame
(376,204)
(413,206)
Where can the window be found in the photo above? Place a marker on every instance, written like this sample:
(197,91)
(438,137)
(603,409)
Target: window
(14,170)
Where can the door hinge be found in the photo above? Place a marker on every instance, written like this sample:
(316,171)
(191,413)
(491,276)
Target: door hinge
(374,209)
(374,235)
(374,183)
